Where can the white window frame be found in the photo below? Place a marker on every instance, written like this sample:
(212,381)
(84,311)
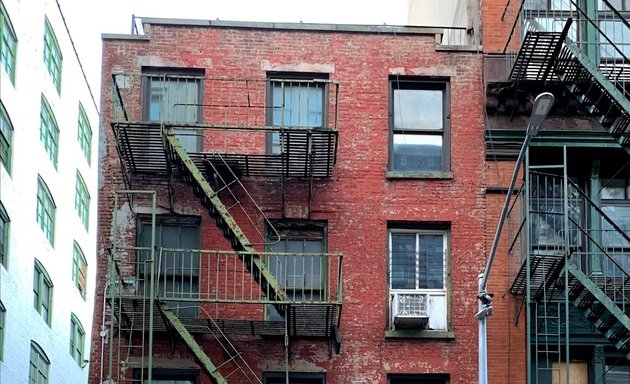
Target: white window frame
(437,299)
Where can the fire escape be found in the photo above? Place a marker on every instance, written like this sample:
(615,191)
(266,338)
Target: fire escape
(566,254)
(213,135)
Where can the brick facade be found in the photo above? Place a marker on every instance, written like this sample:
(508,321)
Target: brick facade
(357,202)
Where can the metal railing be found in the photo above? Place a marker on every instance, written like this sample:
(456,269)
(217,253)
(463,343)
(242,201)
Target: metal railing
(602,34)
(195,275)
(596,244)
(224,103)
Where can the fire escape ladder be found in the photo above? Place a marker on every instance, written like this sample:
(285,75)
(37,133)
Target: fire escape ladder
(597,306)
(601,90)
(253,261)
(193,346)
(596,92)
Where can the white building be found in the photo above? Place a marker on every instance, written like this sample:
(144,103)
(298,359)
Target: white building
(48,187)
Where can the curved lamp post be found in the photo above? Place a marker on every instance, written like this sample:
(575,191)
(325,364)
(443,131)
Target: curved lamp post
(542,105)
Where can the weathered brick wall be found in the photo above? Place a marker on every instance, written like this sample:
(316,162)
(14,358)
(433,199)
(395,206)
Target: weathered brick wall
(357,202)
(498,19)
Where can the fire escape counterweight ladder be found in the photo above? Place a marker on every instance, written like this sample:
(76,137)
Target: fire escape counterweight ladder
(192,344)
(232,232)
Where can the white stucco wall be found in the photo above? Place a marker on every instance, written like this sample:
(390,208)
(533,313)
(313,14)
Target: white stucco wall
(18,195)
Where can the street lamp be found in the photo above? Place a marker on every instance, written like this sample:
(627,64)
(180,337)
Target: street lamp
(542,105)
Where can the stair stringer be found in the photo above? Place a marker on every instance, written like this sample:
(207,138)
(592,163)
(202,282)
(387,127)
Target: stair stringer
(613,309)
(193,346)
(261,273)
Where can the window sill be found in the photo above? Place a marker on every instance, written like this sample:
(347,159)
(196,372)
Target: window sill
(419,175)
(411,334)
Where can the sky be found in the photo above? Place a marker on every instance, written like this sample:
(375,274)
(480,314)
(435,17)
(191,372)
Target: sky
(88,19)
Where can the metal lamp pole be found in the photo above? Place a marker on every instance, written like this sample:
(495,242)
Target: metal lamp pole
(542,105)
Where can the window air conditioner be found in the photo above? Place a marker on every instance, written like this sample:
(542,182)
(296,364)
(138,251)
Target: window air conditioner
(409,310)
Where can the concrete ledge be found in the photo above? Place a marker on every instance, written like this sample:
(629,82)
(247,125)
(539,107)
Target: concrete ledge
(419,175)
(441,335)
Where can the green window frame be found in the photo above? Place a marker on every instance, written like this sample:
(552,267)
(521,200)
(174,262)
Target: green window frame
(4,235)
(84,135)
(42,291)
(49,131)
(3,313)
(8,43)
(82,200)
(6,138)
(77,339)
(52,55)
(40,365)
(46,209)
(79,269)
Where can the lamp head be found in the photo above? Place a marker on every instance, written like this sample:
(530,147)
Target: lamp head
(542,106)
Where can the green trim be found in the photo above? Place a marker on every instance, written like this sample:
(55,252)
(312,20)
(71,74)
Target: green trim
(3,312)
(43,281)
(77,339)
(443,335)
(5,223)
(40,365)
(8,47)
(79,269)
(84,134)
(52,55)
(82,200)
(46,208)
(6,138)
(49,131)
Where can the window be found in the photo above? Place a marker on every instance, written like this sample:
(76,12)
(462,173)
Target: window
(4,235)
(85,134)
(3,312)
(77,339)
(42,291)
(79,269)
(8,44)
(419,139)
(417,278)
(295,102)
(49,131)
(40,364)
(294,378)
(82,201)
(179,266)
(429,378)
(46,210)
(297,266)
(52,55)
(6,139)
(175,97)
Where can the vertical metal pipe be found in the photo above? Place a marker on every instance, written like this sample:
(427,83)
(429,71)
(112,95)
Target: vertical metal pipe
(113,290)
(151,288)
(483,352)
(567,244)
(528,314)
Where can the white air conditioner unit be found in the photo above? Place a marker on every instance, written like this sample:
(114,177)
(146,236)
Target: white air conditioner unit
(409,310)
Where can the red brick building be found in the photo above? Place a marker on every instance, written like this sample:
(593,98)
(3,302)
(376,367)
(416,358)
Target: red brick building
(289,200)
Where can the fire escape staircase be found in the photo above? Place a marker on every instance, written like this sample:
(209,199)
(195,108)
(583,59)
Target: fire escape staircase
(547,56)
(254,263)
(603,297)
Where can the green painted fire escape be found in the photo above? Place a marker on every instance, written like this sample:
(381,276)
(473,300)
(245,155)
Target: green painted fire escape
(226,223)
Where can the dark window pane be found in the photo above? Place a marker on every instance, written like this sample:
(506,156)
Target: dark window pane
(431,262)
(403,260)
